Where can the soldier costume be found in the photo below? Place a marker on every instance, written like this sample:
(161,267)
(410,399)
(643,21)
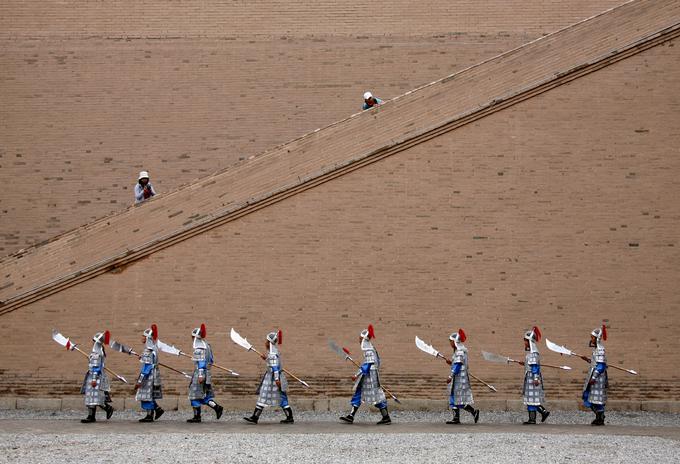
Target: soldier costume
(96,385)
(534,396)
(274,385)
(200,387)
(148,385)
(597,382)
(367,387)
(460,392)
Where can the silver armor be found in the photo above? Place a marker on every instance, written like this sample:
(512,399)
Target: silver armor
(99,394)
(202,358)
(533,394)
(598,390)
(460,387)
(150,386)
(269,394)
(371,391)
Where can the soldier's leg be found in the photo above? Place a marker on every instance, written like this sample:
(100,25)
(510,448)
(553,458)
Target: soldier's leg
(473,411)
(544,412)
(91,415)
(356,404)
(149,407)
(196,405)
(107,406)
(216,407)
(598,409)
(157,410)
(532,415)
(256,414)
(456,415)
(287,410)
(382,406)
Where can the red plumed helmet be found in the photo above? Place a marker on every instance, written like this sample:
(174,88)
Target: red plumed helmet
(203,331)
(279,336)
(107,337)
(537,331)
(154,332)
(604,332)
(371,332)
(461,334)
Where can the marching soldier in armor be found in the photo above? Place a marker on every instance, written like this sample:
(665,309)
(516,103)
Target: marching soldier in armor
(96,386)
(460,393)
(534,396)
(200,387)
(597,382)
(274,385)
(148,385)
(367,381)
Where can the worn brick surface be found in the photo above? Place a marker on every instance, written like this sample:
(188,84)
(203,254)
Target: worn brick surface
(92,92)
(558,211)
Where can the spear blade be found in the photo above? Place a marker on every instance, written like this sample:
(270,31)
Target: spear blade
(429,349)
(165,348)
(239,340)
(558,348)
(116,346)
(495,358)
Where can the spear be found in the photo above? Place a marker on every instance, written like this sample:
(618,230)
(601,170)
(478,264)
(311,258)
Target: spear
(564,350)
(242,342)
(344,352)
(429,349)
(496,358)
(170,349)
(127,350)
(69,345)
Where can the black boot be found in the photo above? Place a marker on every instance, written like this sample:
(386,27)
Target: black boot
(255,417)
(288,411)
(385,417)
(544,413)
(217,408)
(109,410)
(158,411)
(456,417)
(349,418)
(599,418)
(473,411)
(148,417)
(197,415)
(90,416)
(532,418)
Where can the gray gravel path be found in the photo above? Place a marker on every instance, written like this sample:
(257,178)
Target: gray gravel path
(45,437)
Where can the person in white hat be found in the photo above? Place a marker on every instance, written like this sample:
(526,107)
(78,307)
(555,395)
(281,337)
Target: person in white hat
(143,188)
(370,101)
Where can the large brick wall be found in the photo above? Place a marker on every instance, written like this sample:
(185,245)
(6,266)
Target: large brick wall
(558,211)
(92,92)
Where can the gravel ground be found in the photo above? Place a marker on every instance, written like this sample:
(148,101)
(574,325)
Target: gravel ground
(116,442)
(637,418)
(283,448)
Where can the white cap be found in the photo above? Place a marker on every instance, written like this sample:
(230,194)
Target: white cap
(142,175)
(367,95)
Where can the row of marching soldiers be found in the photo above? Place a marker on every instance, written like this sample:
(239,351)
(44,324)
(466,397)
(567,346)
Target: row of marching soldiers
(367,388)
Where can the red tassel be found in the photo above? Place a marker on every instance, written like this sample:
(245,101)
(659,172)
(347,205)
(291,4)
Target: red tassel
(461,334)
(107,337)
(203,331)
(604,332)
(346,351)
(371,332)
(68,344)
(154,332)
(537,332)
(279,336)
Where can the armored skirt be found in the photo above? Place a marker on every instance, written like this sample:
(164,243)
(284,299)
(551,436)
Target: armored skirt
(151,388)
(268,392)
(371,392)
(98,395)
(201,391)
(533,394)
(460,391)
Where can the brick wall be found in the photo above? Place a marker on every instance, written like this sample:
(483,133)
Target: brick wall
(93,92)
(556,212)
(154,18)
